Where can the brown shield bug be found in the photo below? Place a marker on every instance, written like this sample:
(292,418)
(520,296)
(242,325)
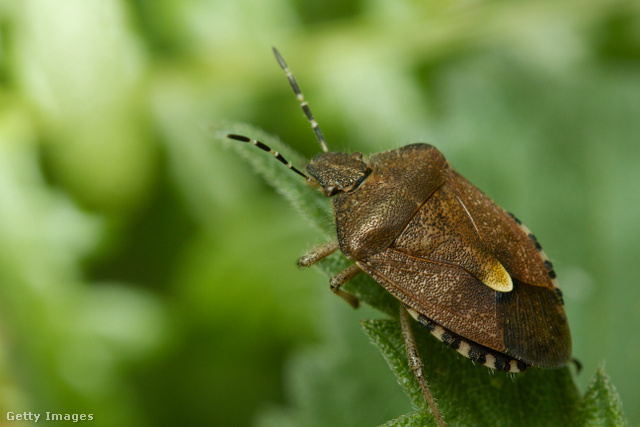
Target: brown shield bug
(464,268)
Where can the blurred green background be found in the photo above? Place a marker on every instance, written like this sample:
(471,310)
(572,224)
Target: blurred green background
(148,277)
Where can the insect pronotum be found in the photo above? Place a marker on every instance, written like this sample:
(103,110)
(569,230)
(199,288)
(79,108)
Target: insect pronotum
(461,266)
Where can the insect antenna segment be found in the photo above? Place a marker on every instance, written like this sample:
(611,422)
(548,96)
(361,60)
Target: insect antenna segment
(303,103)
(264,147)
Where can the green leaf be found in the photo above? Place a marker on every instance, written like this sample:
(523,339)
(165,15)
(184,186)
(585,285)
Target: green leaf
(467,394)
(601,404)
(417,419)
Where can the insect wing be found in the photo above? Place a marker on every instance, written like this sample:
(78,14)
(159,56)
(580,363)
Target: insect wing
(532,315)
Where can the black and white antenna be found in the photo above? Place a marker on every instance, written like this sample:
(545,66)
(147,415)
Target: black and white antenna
(303,103)
(265,147)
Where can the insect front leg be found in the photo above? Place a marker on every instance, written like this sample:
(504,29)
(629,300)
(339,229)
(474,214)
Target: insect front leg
(416,365)
(317,253)
(323,251)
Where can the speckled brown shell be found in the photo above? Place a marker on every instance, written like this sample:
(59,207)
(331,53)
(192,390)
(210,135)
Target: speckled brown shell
(426,234)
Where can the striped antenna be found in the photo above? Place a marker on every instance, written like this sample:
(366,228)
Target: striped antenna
(264,147)
(303,103)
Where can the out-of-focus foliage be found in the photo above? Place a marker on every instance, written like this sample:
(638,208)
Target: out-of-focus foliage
(148,278)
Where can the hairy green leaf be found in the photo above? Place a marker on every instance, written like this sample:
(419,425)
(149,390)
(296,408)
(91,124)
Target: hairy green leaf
(601,404)
(469,394)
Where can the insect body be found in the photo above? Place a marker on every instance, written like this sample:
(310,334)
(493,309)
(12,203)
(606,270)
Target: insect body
(457,261)
(460,265)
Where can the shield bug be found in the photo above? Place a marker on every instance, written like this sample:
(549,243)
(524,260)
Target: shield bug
(461,266)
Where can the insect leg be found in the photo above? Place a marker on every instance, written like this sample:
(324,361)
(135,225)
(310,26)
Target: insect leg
(317,253)
(322,251)
(415,363)
(340,279)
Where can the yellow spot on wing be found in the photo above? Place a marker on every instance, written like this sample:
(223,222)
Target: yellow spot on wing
(495,276)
